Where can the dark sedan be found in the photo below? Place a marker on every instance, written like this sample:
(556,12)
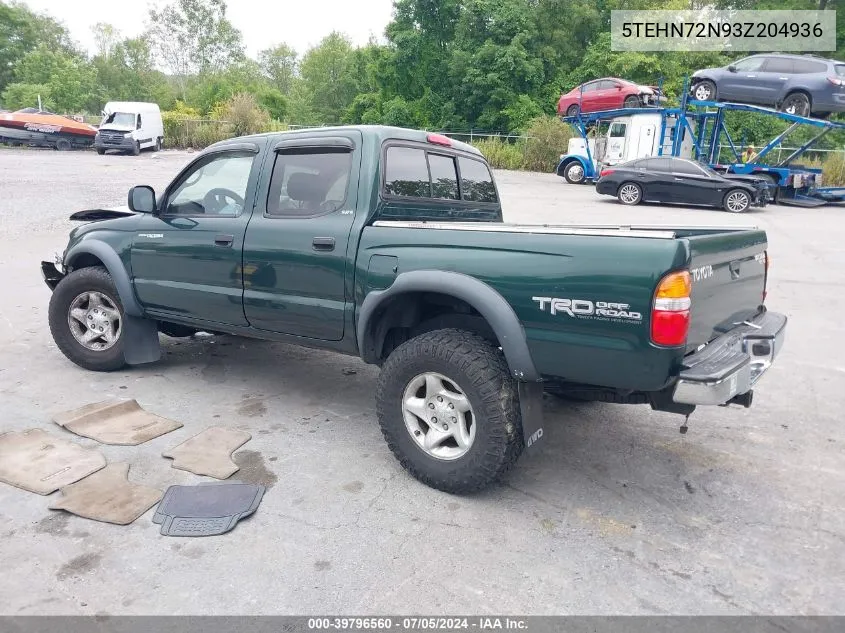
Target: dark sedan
(681,181)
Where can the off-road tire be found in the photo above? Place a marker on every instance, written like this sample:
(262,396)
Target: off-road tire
(75,283)
(479,369)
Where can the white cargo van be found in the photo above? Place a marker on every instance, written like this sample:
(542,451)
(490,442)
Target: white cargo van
(130,126)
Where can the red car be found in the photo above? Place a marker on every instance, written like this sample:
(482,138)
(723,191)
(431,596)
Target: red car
(607,94)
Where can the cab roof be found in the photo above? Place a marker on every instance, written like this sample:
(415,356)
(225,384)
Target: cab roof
(382,133)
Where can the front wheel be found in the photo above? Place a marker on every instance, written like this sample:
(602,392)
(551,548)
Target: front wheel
(630,193)
(737,201)
(87,321)
(136,149)
(449,410)
(632,101)
(574,173)
(704,90)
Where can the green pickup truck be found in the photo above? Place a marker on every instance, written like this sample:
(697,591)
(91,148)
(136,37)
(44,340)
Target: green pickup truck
(389,244)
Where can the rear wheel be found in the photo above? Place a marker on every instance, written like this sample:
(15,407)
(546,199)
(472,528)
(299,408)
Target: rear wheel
(63,145)
(448,409)
(632,101)
(158,144)
(704,90)
(797,103)
(86,320)
(736,201)
(574,173)
(630,193)
(573,110)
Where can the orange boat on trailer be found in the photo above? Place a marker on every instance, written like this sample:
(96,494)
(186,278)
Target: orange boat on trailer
(34,127)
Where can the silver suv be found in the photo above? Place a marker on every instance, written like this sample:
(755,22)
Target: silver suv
(798,84)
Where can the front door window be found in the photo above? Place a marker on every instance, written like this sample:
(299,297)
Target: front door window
(216,186)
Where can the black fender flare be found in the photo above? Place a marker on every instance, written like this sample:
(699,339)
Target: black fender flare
(111,260)
(141,344)
(487,301)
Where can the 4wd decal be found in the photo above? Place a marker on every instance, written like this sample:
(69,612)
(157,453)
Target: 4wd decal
(586,309)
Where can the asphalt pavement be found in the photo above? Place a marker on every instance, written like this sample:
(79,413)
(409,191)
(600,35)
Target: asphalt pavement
(617,513)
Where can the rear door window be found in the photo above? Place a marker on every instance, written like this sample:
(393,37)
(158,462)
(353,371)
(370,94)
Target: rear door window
(309,182)
(406,173)
(476,181)
(660,164)
(779,65)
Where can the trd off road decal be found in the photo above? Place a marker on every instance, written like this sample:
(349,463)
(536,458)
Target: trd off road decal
(586,309)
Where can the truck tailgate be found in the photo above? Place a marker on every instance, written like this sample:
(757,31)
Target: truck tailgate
(728,273)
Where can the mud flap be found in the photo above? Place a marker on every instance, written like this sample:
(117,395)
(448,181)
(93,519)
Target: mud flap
(140,340)
(531,409)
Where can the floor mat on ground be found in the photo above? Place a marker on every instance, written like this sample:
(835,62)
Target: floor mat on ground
(42,463)
(209,453)
(108,496)
(207,509)
(121,422)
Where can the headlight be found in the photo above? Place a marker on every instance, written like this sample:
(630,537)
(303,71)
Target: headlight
(127,135)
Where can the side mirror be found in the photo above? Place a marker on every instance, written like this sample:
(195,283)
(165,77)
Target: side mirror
(619,86)
(142,199)
(732,68)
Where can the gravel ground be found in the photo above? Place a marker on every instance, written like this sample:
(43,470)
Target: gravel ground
(617,513)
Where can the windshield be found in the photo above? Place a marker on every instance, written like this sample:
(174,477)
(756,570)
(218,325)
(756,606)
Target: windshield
(124,119)
(708,170)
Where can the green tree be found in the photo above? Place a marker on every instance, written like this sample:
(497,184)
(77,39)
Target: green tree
(279,65)
(70,81)
(22,30)
(128,73)
(328,76)
(192,37)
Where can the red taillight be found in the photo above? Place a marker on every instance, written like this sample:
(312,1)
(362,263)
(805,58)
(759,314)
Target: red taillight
(605,172)
(670,314)
(835,81)
(439,139)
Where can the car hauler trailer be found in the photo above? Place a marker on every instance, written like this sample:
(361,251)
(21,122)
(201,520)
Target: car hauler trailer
(695,130)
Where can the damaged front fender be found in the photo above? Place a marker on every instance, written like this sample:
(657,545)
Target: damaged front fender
(52,275)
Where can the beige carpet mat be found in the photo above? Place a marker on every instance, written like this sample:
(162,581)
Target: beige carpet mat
(121,422)
(42,463)
(209,453)
(108,496)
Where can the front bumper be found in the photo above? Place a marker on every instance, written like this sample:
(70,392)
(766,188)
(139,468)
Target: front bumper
(124,143)
(732,364)
(52,275)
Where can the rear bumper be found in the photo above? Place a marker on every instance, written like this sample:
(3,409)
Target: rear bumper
(732,364)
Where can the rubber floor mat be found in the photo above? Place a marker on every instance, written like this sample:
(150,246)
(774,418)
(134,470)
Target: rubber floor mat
(209,453)
(121,422)
(108,496)
(207,509)
(42,463)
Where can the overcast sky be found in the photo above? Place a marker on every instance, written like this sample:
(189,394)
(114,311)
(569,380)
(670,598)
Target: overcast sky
(264,23)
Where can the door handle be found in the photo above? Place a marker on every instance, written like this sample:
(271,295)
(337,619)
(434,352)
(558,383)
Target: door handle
(323,243)
(224,240)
